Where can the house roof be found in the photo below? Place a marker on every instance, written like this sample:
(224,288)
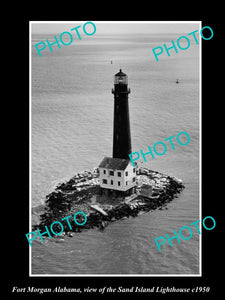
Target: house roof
(114,163)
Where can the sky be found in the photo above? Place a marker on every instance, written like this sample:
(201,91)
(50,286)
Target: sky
(104,27)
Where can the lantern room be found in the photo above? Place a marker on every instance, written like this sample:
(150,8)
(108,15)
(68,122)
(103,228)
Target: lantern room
(120,83)
(120,78)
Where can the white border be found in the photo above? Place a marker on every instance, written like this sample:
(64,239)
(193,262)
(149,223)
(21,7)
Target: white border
(200,157)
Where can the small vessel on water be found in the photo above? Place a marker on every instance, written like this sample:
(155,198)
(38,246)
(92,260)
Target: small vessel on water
(177,81)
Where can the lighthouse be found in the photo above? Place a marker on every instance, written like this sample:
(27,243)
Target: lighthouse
(117,173)
(121,127)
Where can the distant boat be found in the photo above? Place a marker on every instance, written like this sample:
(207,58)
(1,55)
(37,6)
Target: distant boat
(177,81)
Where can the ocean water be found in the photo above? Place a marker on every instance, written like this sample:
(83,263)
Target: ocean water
(72,127)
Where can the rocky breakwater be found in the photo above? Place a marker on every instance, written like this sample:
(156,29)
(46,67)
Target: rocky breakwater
(82,193)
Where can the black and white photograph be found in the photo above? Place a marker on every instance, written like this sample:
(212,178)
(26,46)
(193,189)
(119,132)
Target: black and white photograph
(114,158)
(115,134)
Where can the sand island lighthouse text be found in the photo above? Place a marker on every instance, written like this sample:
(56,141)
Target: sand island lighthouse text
(117,173)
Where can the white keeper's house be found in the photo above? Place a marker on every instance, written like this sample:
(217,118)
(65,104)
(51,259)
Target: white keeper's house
(117,174)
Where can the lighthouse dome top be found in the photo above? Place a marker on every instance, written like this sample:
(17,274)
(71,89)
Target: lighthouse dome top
(120,78)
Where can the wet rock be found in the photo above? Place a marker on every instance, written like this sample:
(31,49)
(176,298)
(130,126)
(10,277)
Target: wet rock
(74,195)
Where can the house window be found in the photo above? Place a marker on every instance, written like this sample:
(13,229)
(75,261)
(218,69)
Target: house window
(119,174)
(133,170)
(104,171)
(134,179)
(111,182)
(126,182)
(118,183)
(104,181)
(126,173)
(111,173)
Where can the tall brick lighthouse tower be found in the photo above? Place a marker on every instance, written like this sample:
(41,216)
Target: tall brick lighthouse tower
(121,127)
(117,174)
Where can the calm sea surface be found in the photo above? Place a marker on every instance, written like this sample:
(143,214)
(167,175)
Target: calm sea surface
(72,123)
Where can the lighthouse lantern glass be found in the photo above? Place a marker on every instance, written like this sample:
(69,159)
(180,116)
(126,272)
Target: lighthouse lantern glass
(121,79)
